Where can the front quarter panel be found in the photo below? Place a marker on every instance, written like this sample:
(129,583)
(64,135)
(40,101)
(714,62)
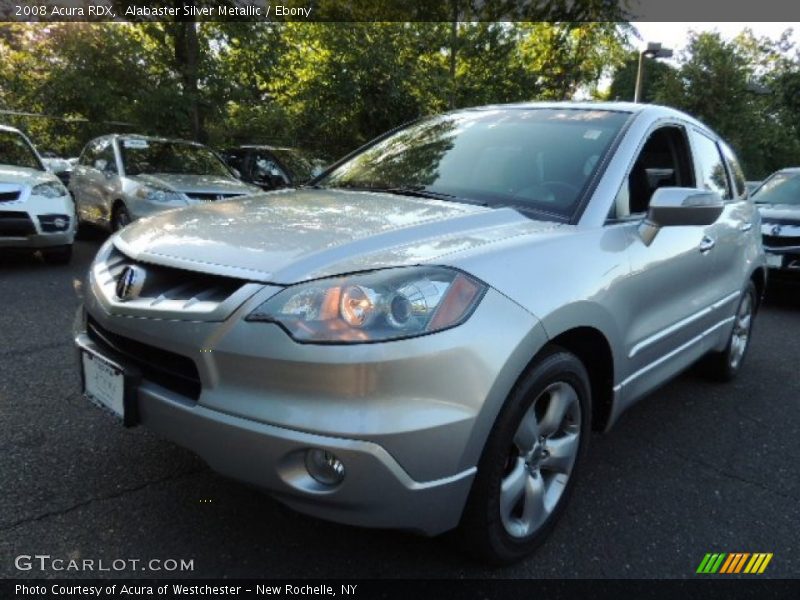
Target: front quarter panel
(566,281)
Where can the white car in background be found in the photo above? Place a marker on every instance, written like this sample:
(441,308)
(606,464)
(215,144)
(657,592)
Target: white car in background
(36,210)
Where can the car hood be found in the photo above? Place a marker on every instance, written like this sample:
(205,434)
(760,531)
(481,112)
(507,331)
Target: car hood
(771,213)
(294,235)
(24,176)
(197,184)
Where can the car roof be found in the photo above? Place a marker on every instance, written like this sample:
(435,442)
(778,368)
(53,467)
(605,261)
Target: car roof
(10,129)
(147,138)
(652,112)
(265,147)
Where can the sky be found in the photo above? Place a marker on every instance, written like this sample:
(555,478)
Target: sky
(675,35)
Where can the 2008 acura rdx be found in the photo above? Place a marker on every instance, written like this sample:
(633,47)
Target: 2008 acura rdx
(424,338)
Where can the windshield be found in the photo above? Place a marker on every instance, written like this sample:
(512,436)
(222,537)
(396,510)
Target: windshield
(16,151)
(781,188)
(149,157)
(536,158)
(299,165)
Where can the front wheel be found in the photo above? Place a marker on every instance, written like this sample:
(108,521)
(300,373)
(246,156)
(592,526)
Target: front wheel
(528,466)
(120,218)
(725,365)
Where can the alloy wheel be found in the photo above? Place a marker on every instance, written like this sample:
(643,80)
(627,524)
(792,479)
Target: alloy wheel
(545,447)
(741,331)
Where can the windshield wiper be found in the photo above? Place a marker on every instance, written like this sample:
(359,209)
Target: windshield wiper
(416,191)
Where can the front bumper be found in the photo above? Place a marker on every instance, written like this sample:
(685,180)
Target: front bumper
(30,222)
(408,419)
(783,261)
(379,494)
(38,240)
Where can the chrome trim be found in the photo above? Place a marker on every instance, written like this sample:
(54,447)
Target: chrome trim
(676,351)
(656,337)
(781,249)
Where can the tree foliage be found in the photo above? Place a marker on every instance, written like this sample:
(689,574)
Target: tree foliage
(746,89)
(327,86)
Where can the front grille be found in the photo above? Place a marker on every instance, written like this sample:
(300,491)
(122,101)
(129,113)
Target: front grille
(211,197)
(9,196)
(167,287)
(16,224)
(172,371)
(780,242)
(777,221)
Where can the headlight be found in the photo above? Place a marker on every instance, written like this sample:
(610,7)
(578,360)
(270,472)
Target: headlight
(51,189)
(153,193)
(376,306)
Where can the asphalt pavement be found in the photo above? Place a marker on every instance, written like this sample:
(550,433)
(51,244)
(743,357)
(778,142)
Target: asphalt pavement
(696,467)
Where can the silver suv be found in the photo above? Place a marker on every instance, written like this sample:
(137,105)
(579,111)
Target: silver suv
(425,338)
(120,178)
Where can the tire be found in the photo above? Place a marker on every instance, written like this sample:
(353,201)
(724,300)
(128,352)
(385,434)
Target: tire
(57,255)
(120,217)
(518,495)
(725,365)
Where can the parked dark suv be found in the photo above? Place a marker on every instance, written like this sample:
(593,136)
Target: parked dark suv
(272,167)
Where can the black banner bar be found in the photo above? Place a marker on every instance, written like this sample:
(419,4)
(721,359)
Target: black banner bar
(707,588)
(399,10)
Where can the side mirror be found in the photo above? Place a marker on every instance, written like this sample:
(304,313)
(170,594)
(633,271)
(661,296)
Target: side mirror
(675,207)
(236,173)
(100,164)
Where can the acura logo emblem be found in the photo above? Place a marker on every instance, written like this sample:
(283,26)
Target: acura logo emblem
(776,230)
(130,282)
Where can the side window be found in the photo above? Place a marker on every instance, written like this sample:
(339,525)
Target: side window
(235,160)
(736,171)
(266,168)
(107,154)
(712,174)
(663,161)
(89,154)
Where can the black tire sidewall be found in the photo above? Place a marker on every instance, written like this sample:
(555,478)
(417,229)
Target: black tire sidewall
(59,255)
(750,289)
(481,521)
(119,210)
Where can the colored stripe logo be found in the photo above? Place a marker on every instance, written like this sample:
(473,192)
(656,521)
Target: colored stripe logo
(734,562)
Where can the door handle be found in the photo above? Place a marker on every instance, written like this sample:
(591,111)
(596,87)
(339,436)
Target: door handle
(746,227)
(706,244)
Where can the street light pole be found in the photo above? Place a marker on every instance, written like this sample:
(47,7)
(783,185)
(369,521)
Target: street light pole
(653,50)
(637,94)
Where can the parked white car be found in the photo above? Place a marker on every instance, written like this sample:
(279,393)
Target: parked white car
(36,210)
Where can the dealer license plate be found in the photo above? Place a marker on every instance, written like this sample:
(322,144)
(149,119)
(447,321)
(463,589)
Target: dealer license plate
(775,260)
(104,384)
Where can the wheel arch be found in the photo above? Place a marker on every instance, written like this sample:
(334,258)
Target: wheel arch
(593,349)
(759,279)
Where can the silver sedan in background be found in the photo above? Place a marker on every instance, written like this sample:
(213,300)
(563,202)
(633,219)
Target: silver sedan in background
(120,178)
(425,337)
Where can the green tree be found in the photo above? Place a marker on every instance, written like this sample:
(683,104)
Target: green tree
(736,88)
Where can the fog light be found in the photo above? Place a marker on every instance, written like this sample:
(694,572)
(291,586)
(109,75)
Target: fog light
(324,466)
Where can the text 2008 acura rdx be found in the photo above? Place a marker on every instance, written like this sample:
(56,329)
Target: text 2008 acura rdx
(425,337)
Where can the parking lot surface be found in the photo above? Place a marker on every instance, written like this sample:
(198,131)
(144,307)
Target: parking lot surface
(696,467)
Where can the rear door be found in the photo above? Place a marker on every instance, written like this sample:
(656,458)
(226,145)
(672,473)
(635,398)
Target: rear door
(80,182)
(737,232)
(94,181)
